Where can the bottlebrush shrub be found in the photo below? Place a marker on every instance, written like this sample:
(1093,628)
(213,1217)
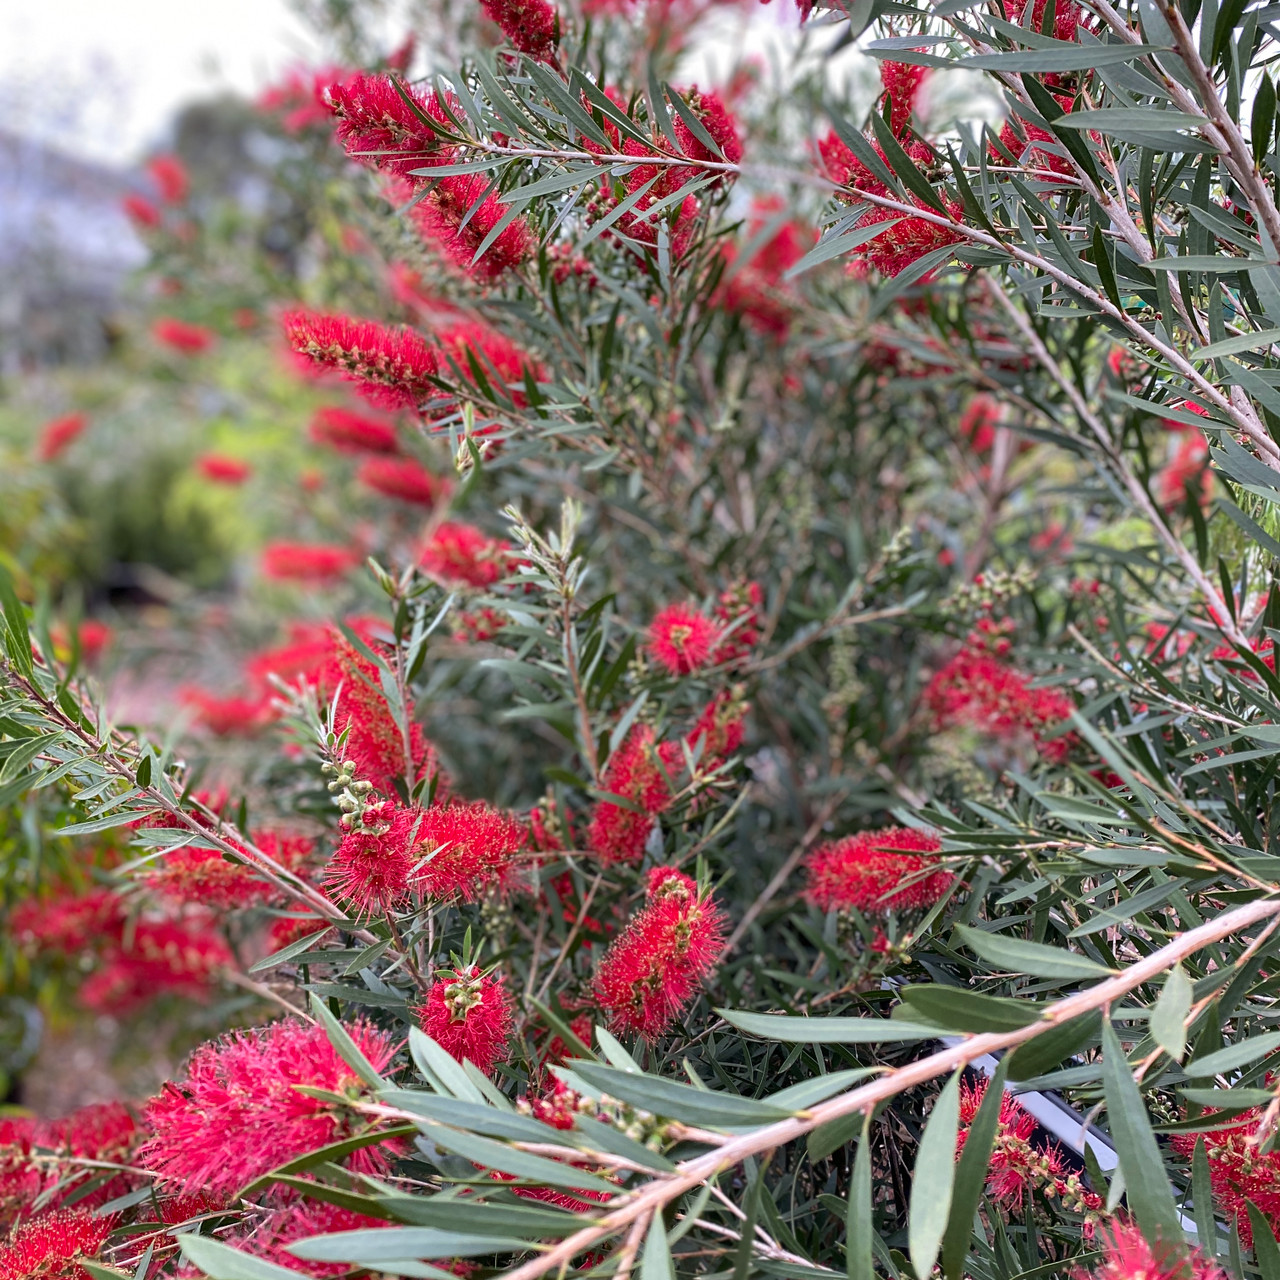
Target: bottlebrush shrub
(826,681)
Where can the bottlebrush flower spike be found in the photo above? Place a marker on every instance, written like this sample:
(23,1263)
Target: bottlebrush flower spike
(300,99)
(237,1113)
(306,562)
(502,362)
(373,864)
(171,178)
(462,555)
(222,469)
(717,120)
(468,849)
(387,124)
(656,966)
(468,1014)
(52,1245)
(878,871)
(56,437)
(902,82)
(979,421)
(737,614)
(441,218)
(1128,1255)
(350,432)
(402,479)
(681,638)
(389,367)
(232,716)
(141,212)
(634,771)
(189,339)
(67,922)
(156,957)
(204,877)
(533,26)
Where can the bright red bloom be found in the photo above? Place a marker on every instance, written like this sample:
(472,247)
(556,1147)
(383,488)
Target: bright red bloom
(403,479)
(978,690)
(299,99)
(717,120)
(469,849)
(237,1113)
(392,367)
(902,83)
(681,638)
(389,125)
(656,966)
(460,555)
(189,339)
(304,1218)
(635,772)
(477,625)
(171,178)
(503,363)
(1130,1256)
(441,215)
(305,654)
(306,561)
(1067,16)
(373,864)
(221,468)
(50,1247)
(57,436)
(1188,468)
(204,877)
(719,727)
(468,1014)
(141,212)
(533,26)
(68,922)
(154,958)
(290,929)
(350,432)
(230,716)
(979,421)
(100,1131)
(878,871)
(757,289)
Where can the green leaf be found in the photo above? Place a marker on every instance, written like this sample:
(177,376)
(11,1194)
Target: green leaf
(1034,959)
(858,1229)
(1205,262)
(1233,1056)
(345,1047)
(677,1101)
(1202,1199)
(143,775)
(373,1246)
(1234,346)
(1171,1009)
(225,1263)
(1050,1048)
(1147,1186)
(1265,1249)
(1080,57)
(959,1010)
(656,1263)
(335,1151)
(971,1175)
(809,1093)
(903,166)
(520,1164)
(933,1180)
(795,1030)
(288,953)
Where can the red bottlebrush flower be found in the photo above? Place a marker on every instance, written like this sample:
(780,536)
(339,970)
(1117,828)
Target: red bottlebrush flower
(655,967)
(737,614)
(309,648)
(977,690)
(171,178)
(1189,467)
(533,26)
(502,362)
(392,367)
(204,877)
(221,468)
(635,772)
(299,100)
(441,215)
(468,1014)
(1128,1255)
(979,421)
(460,555)
(303,1218)
(373,864)
(189,339)
(878,871)
(477,625)
(388,125)
(403,479)
(717,120)
(681,638)
(160,957)
(1238,1172)
(237,1113)
(92,636)
(100,1131)
(468,849)
(50,1247)
(1187,406)
(290,929)
(228,717)
(141,212)
(719,726)
(306,562)
(902,82)
(756,289)
(56,437)
(350,432)
(1067,16)
(68,923)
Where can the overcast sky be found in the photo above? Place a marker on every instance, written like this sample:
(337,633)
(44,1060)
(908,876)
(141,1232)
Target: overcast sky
(102,77)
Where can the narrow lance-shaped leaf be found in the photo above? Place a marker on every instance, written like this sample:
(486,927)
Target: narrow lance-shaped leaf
(933,1180)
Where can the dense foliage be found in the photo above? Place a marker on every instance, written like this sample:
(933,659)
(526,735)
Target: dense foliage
(763,659)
